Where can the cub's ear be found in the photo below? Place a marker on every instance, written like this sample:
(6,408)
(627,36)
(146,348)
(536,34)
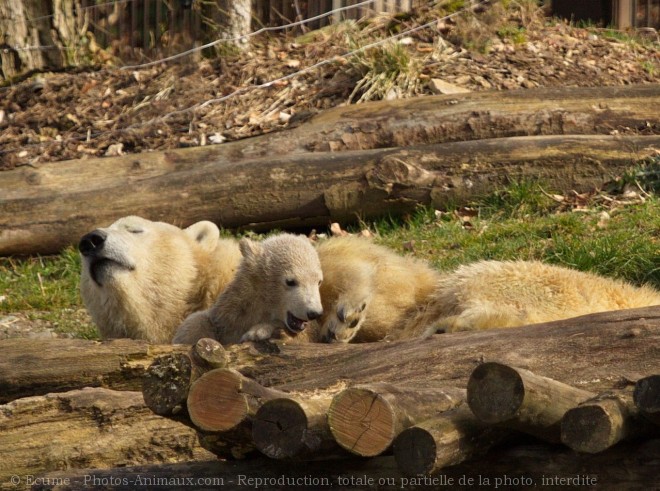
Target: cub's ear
(206,234)
(250,249)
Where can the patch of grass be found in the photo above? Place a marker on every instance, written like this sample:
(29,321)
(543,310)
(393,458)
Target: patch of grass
(517,34)
(387,71)
(46,288)
(625,246)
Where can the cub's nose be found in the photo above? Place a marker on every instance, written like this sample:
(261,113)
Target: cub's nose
(314,314)
(92,243)
(329,337)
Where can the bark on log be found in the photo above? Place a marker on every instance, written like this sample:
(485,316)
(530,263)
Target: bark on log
(56,365)
(167,381)
(295,429)
(366,419)
(597,424)
(521,400)
(40,208)
(449,439)
(221,400)
(94,427)
(625,466)
(647,397)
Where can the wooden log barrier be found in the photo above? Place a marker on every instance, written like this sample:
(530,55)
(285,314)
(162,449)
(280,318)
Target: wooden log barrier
(521,400)
(366,419)
(647,397)
(297,429)
(449,439)
(598,423)
(223,399)
(167,381)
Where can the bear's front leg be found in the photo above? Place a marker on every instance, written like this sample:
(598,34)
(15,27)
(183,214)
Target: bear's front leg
(258,332)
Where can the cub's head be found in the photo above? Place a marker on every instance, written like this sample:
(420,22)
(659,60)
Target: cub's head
(288,271)
(139,278)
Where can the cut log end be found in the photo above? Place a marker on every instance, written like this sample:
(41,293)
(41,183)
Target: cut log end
(279,429)
(215,402)
(415,452)
(647,397)
(590,428)
(495,392)
(209,354)
(166,383)
(362,422)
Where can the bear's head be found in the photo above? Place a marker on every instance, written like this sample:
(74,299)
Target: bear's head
(140,278)
(288,271)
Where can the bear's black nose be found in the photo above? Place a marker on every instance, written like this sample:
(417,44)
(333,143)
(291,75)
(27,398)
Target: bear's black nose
(92,243)
(313,314)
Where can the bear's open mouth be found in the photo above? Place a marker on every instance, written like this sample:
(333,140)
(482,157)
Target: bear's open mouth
(294,324)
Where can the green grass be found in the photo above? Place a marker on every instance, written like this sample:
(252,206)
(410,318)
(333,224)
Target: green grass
(517,222)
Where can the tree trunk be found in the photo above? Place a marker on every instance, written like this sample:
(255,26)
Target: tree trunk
(449,439)
(521,400)
(92,427)
(593,352)
(64,200)
(601,422)
(40,35)
(647,397)
(626,466)
(24,46)
(366,419)
(41,366)
(596,352)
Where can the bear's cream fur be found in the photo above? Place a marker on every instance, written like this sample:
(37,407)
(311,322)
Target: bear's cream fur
(369,290)
(492,294)
(140,279)
(276,287)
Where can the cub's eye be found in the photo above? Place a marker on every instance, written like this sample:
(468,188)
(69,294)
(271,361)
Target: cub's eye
(320,281)
(291,282)
(135,230)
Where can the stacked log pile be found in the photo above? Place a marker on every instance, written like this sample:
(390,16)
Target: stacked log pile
(428,422)
(459,406)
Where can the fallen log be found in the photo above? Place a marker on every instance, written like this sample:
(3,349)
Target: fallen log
(90,427)
(647,397)
(601,422)
(597,352)
(449,439)
(57,365)
(221,400)
(521,400)
(295,429)
(625,466)
(366,419)
(168,379)
(291,190)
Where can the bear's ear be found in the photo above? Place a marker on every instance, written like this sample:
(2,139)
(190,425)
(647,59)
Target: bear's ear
(206,234)
(249,249)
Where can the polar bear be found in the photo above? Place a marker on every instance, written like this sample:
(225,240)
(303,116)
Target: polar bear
(276,286)
(140,279)
(494,294)
(369,290)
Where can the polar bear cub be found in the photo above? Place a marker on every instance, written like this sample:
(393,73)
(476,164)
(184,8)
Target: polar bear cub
(140,279)
(276,286)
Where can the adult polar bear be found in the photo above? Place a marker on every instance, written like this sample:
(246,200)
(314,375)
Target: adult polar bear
(140,279)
